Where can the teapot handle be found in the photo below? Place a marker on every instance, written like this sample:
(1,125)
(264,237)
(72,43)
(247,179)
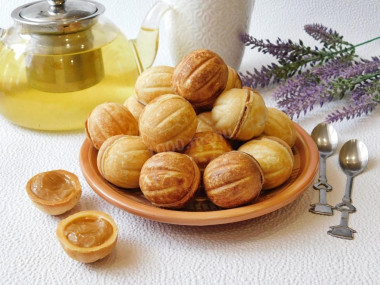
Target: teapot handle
(146,43)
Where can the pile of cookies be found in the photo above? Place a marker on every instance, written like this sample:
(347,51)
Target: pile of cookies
(190,127)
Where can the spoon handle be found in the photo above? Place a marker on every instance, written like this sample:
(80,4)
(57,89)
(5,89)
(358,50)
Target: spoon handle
(348,191)
(322,180)
(322,169)
(322,207)
(345,207)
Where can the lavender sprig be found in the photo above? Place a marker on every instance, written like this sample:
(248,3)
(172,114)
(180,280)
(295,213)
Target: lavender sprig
(294,57)
(334,80)
(280,49)
(351,112)
(363,100)
(325,35)
(310,76)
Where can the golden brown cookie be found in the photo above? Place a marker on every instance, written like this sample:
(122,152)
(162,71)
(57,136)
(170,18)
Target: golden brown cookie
(233,80)
(200,77)
(134,106)
(168,123)
(154,82)
(205,122)
(107,120)
(280,125)
(121,158)
(169,179)
(239,114)
(275,157)
(206,146)
(233,179)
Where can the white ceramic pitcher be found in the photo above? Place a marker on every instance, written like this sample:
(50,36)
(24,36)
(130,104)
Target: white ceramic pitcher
(210,24)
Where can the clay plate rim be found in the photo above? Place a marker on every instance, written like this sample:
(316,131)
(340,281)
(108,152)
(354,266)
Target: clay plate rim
(309,160)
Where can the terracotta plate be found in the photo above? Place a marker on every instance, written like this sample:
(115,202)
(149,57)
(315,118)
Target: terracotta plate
(202,212)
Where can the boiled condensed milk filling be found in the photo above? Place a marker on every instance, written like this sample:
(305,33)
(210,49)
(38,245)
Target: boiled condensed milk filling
(88,231)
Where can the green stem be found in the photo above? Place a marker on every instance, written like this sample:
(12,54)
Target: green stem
(365,77)
(350,84)
(331,55)
(352,47)
(367,42)
(304,62)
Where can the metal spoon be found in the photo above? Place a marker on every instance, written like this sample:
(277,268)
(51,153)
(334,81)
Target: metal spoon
(353,159)
(326,138)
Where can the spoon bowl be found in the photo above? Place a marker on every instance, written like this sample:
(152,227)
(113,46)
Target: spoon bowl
(353,157)
(326,138)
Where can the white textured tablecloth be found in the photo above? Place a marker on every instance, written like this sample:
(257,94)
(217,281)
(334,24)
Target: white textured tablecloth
(289,246)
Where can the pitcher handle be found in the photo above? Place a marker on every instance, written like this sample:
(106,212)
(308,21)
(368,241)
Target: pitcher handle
(146,43)
(2,33)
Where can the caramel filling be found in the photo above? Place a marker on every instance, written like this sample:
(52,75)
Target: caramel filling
(52,186)
(88,231)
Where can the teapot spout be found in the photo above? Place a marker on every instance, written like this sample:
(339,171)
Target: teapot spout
(146,44)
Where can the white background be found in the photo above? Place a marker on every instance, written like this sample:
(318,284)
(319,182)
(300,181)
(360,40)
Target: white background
(357,20)
(289,246)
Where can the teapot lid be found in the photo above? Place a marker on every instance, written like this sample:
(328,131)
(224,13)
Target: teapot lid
(57,16)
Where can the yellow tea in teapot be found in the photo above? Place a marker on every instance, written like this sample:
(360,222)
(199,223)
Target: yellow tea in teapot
(61,59)
(33,108)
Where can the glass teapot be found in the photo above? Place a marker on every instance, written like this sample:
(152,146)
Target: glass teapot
(61,59)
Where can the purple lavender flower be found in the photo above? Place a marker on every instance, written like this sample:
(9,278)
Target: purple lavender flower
(323,34)
(361,67)
(360,96)
(310,76)
(321,84)
(280,49)
(300,94)
(260,78)
(352,111)
(332,69)
(295,57)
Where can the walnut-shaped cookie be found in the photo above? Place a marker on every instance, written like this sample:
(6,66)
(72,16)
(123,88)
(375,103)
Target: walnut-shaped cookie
(168,123)
(154,82)
(134,106)
(206,146)
(107,120)
(275,158)
(234,80)
(170,179)
(121,158)
(205,122)
(239,114)
(233,179)
(200,77)
(280,125)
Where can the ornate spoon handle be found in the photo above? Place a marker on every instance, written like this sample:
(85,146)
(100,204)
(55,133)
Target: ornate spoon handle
(322,207)
(345,207)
